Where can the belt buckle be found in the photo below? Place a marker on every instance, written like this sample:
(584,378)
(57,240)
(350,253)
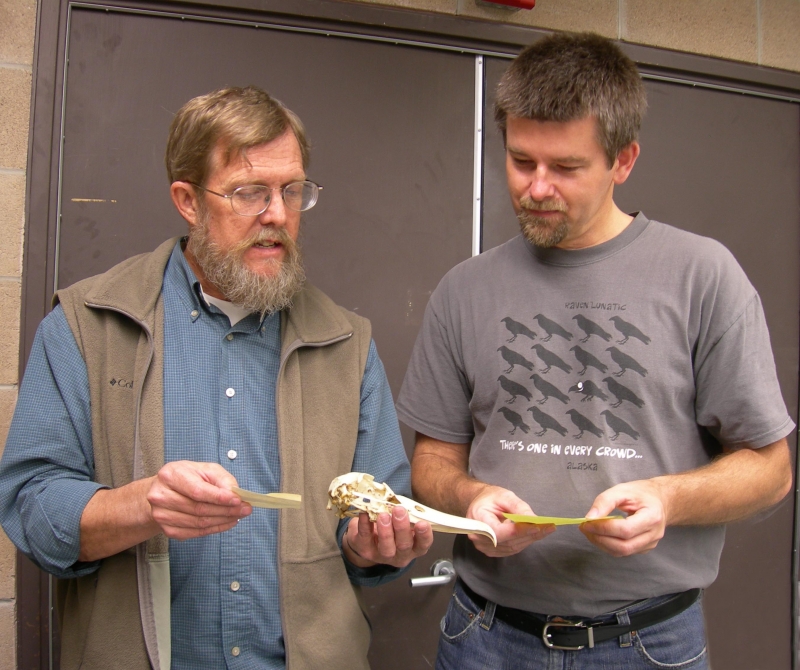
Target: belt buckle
(567,624)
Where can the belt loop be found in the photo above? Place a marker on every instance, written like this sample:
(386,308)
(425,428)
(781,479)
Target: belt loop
(624,620)
(488,615)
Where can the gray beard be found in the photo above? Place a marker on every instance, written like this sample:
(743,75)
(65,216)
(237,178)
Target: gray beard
(251,291)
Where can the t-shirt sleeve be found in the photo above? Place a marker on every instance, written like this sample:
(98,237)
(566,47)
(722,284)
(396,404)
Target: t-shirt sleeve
(47,466)
(436,393)
(738,396)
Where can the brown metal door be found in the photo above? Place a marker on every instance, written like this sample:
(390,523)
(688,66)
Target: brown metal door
(392,131)
(725,165)
(392,135)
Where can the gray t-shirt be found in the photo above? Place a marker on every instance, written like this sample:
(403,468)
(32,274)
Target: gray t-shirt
(572,371)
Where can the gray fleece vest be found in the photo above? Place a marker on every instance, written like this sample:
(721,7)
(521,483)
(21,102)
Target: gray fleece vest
(118,617)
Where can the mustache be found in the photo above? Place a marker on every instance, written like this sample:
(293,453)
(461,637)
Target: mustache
(528,203)
(268,235)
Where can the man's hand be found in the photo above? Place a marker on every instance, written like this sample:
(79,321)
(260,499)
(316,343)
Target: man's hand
(488,506)
(190,499)
(439,478)
(183,500)
(644,526)
(391,540)
(733,486)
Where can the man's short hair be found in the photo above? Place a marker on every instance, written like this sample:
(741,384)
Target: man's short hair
(566,77)
(235,119)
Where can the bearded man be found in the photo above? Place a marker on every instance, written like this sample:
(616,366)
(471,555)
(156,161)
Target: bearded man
(155,388)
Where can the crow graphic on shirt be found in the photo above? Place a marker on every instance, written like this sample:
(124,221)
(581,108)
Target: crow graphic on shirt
(590,328)
(622,393)
(587,360)
(513,389)
(514,419)
(550,359)
(589,390)
(625,362)
(546,422)
(618,426)
(513,358)
(516,328)
(551,328)
(548,390)
(628,330)
(583,424)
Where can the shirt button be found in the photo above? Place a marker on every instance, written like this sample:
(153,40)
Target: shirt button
(236,651)
(235,586)
(230,393)
(229,337)
(232,454)
(195,314)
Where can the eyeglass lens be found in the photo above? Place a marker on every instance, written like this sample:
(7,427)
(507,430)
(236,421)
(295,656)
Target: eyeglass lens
(252,200)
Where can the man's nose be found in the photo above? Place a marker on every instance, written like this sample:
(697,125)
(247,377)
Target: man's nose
(541,187)
(275,213)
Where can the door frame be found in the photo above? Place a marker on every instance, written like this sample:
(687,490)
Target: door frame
(35,606)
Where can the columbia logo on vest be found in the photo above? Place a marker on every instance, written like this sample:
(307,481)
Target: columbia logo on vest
(122,383)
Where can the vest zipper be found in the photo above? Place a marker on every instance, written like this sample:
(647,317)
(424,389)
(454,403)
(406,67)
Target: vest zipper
(138,468)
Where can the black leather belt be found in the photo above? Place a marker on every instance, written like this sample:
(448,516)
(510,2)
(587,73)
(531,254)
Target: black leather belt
(579,634)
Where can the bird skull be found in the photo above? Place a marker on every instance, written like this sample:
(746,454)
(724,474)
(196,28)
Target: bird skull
(358,492)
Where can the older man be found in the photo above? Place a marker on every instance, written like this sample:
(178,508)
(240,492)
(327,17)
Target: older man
(154,388)
(650,389)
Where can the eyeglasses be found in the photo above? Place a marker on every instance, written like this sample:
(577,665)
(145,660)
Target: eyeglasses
(254,199)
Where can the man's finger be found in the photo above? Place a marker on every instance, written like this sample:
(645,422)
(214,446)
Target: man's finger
(197,488)
(184,533)
(364,528)
(178,519)
(609,528)
(202,482)
(423,538)
(403,534)
(386,540)
(169,499)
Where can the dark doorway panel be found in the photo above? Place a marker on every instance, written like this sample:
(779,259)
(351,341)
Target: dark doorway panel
(392,148)
(727,166)
(391,129)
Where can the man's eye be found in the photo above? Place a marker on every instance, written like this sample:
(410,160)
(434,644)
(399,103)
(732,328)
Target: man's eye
(250,193)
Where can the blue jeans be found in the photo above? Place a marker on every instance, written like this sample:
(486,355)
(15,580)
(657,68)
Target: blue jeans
(473,639)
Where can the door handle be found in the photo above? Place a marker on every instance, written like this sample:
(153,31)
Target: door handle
(442,572)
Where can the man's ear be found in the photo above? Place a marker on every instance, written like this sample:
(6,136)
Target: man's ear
(185,200)
(625,161)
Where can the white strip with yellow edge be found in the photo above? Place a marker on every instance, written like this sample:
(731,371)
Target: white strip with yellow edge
(269,500)
(158,567)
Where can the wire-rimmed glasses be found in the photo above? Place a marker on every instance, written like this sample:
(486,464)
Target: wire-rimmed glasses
(254,199)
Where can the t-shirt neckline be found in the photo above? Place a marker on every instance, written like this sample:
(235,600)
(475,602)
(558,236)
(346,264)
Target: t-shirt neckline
(573,257)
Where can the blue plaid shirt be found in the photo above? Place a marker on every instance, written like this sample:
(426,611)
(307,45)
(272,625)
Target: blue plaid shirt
(219,406)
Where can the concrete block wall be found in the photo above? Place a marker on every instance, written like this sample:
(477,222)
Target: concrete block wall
(763,32)
(17,27)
